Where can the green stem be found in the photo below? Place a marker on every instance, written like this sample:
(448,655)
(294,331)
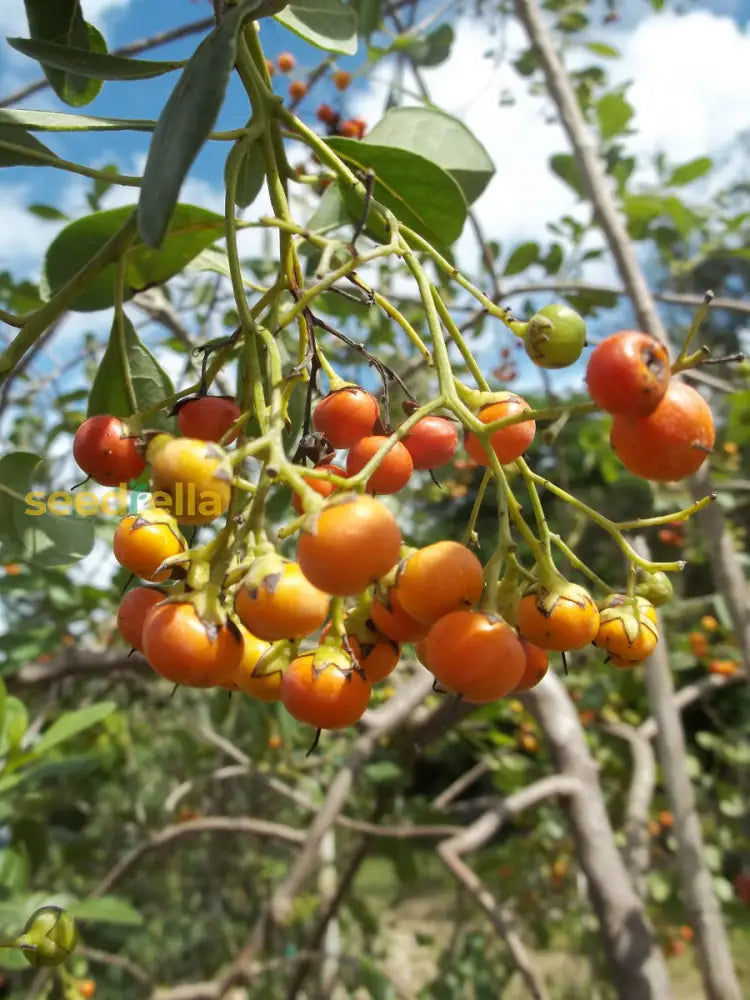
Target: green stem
(653,522)
(578,564)
(459,341)
(470,533)
(122,346)
(47,160)
(37,322)
(10,319)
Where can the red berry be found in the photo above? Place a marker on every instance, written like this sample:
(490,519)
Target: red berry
(103,450)
(395,468)
(628,373)
(208,418)
(672,442)
(346,415)
(431,442)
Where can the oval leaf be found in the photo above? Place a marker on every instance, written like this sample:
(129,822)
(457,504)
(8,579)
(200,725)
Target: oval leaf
(691,170)
(105,910)
(441,138)
(327,24)
(184,124)
(252,175)
(522,257)
(151,384)
(192,229)
(418,192)
(62,23)
(71,724)
(88,63)
(61,121)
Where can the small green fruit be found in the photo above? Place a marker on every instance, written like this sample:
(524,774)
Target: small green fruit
(49,937)
(657,588)
(555,337)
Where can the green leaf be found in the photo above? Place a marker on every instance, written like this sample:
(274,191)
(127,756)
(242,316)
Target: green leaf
(47,212)
(13,142)
(105,910)
(251,176)
(150,382)
(383,771)
(441,138)
(331,213)
(614,113)
(327,24)
(522,257)
(53,540)
(62,23)
(184,124)
(691,171)
(87,63)
(15,722)
(419,193)
(433,49)
(71,724)
(61,121)
(600,49)
(16,471)
(565,167)
(368,15)
(191,230)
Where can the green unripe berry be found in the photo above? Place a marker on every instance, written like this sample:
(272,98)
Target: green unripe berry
(555,337)
(656,588)
(49,937)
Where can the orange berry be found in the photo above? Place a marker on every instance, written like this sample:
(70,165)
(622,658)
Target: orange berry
(438,579)
(698,644)
(297,89)
(342,80)
(286,62)
(666,819)
(508,443)
(280,602)
(709,623)
(563,619)
(395,468)
(324,689)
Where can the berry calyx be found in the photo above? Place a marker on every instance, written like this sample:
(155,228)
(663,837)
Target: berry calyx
(628,630)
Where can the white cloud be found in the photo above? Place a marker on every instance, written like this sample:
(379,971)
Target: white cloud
(24,237)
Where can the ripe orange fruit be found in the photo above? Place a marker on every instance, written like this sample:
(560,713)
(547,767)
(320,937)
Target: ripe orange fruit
(672,442)
(280,603)
(563,619)
(188,651)
(192,477)
(263,686)
(346,415)
(475,655)
(508,443)
(394,470)
(142,542)
(351,543)
(132,612)
(324,689)
(342,80)
(389,616)
(628,373)
(438,579)
(628,637)
(297,90)
(286,62)
(536,666)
